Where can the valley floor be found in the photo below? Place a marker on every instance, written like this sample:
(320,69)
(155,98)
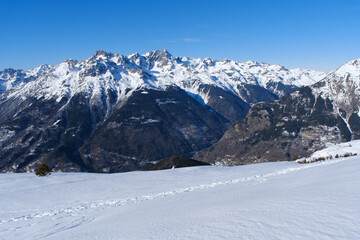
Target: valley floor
(283,200)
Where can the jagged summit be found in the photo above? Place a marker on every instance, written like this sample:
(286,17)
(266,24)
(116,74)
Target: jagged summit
(256,63)
(351,68)
(134,56)
(163,52)
(101,53)
(354,62)
(162,56)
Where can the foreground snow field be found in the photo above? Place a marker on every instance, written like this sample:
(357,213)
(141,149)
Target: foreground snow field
(283,200)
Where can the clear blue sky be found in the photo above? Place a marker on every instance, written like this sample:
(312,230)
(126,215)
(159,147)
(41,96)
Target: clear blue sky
(295,33)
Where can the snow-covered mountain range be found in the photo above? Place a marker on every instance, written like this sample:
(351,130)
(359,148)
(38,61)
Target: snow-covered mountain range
(155,70)
(116,113)
(297,124)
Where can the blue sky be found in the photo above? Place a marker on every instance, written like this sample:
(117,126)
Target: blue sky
(315,34)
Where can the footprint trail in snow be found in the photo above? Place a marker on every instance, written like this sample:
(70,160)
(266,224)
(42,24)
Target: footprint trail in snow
(87,206)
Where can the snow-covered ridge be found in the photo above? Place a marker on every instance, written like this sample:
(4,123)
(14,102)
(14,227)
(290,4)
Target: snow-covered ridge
(156,69)
(342,86)
(352,67)
(335,151)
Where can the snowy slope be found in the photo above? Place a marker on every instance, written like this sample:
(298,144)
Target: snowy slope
(342,86)
(283,200)
(352,147)
(156,69)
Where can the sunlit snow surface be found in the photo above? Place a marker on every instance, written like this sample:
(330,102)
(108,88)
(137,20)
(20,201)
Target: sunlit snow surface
(283,200)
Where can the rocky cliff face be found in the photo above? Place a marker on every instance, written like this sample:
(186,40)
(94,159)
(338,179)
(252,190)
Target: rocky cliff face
(295,125)
(118,113)
(150,125)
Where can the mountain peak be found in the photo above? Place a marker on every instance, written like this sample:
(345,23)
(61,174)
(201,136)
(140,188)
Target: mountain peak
(69,61)
(355,62)
(161,57)
(165,51)
(101,53)
(134,55)
(350,68)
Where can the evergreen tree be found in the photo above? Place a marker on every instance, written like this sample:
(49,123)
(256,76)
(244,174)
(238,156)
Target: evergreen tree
(43,170)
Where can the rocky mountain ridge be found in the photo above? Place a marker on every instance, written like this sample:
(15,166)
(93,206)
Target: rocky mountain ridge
(113,113)
(297,124)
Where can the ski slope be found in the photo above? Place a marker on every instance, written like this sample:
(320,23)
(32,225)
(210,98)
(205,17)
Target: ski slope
(283,200)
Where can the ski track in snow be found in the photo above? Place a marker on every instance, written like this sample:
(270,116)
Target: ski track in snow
(72,211)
